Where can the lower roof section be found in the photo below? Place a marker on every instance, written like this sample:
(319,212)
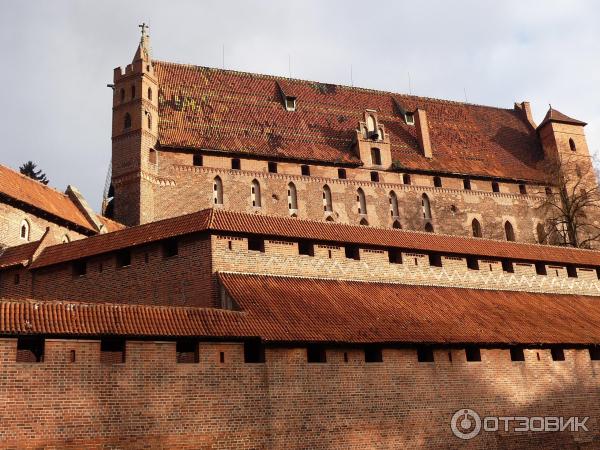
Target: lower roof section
(288,309)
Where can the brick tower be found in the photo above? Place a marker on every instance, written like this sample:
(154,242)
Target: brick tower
(134,136)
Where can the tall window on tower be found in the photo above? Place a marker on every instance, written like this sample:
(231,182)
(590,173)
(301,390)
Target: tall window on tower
(476,228)
(24,233)
(509,231)
(394,204)
(127,121)
(218,191)
(327,204)
(255,194)
(425,204)
(362,202)
(292,198)
(375,157)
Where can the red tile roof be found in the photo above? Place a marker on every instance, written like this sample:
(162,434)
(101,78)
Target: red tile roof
(18,255)
(556,116)
(23,189)
(204,108)
(109,224)
(283,309)
(234,222)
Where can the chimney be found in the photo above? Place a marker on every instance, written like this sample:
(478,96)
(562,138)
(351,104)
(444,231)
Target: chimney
(525,108)
(423,132)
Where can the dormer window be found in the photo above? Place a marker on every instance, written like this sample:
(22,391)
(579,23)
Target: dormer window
(290,103)
(409,118)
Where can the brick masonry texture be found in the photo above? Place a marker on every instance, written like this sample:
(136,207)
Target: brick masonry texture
(150,401)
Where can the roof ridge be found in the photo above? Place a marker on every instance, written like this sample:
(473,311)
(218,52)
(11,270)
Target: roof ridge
(31,180)
(344,86)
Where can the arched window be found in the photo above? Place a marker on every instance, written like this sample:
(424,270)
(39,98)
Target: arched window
(476,228)
(426,207)
(255,191)
(375,157)
(149,93)
(218,191)
(362,201)
(429,228)
(364,221)
(24,233)
(572,145)
(541,233)
(370,123)
(394,204)
(327,204)
(509,231)
(437,182)
(132,92)
(397,224)
(149,121)
(292,198)
(127,121)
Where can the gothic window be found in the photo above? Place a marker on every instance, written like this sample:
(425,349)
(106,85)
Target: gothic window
(375,157)
(370,123)
(255,191)
(393,204)
(572,145)
(127,121)
(476,228)
(218,191)
(292,198)
(509,231)
(362,201)
(25,230)
(327,204)
(149,93)
(541,233)
(426,207)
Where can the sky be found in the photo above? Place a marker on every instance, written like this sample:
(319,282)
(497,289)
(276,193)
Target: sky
(58,56)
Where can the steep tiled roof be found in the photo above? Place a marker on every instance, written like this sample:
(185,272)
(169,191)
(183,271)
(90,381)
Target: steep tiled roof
(18,255)
(23,189)
(110,224)
(204,108)
(279,309)
(233,222)
(556,116)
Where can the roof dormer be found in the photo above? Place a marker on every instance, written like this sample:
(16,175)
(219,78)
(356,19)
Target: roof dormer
(288,98)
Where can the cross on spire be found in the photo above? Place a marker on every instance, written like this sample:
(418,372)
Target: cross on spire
(144,27)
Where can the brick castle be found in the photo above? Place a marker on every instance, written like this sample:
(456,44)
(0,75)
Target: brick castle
(291,264)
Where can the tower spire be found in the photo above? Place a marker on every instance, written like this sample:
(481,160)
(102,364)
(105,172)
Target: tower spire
(143,50)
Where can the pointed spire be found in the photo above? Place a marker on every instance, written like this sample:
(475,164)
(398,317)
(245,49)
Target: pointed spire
(143,50)
(554,115)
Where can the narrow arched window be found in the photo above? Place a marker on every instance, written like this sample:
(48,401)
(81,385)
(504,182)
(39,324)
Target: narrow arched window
(572,145)
(370,123)
(362,201)
(541,233)
(364,221)
(255,191)
(476,226)
(292,198)
(25,230)
(127,121)
(397,224)
(426,206)
(122,95)
(509,231)
(394,204)
(218,191)
(375,157)
(149,121)
(149,93)
(429,228)
(132,92)
(327,204)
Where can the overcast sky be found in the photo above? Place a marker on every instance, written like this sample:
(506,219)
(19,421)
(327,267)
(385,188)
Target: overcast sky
(58,56)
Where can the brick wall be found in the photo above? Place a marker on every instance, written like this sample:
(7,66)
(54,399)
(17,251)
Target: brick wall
(149,279)
(10,227)
(150,401)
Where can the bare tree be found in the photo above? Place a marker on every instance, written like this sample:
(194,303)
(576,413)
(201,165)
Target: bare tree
(572,205)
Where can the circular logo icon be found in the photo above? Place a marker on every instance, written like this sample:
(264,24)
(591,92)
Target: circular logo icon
(465,424)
